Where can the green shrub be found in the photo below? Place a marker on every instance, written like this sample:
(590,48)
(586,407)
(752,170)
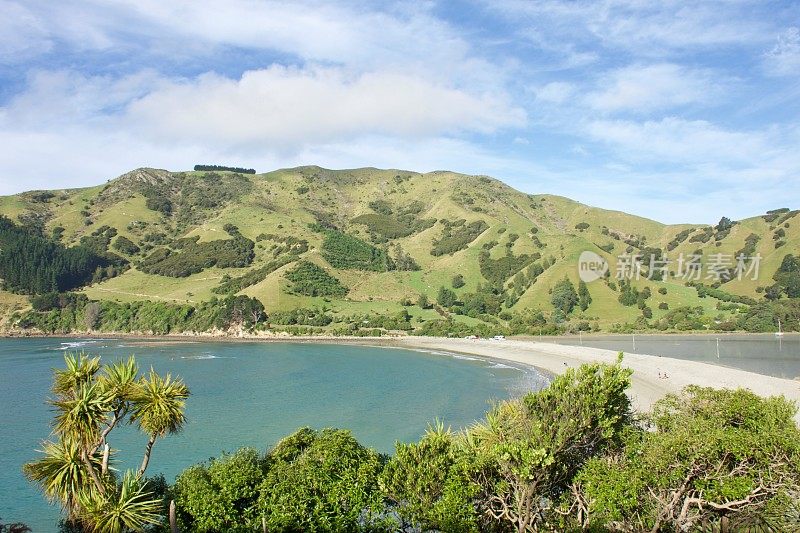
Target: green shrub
(348,252)
(312,280)
(457,236)
(194,257)
(126,246)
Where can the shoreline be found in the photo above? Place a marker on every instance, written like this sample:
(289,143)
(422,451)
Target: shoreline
(547,358)
(646,385)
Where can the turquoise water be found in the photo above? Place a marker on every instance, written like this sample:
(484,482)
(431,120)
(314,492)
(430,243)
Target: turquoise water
(248,394)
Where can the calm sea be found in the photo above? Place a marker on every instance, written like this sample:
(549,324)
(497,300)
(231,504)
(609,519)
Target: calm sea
(248,394)
(763,353)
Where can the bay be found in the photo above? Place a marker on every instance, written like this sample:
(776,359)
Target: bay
(248,394)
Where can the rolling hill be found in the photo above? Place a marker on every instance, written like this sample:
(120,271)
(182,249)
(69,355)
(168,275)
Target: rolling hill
(366,243)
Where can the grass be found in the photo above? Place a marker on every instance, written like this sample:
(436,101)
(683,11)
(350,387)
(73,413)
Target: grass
(275,206)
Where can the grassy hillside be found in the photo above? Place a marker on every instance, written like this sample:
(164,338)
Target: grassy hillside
(421,229)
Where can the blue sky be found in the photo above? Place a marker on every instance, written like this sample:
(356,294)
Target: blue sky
(678,111)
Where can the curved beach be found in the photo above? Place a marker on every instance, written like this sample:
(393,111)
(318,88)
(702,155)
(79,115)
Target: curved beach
(648,381)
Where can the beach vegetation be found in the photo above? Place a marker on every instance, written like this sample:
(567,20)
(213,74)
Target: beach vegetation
(573,456)
(76,466)
(446,297)
(703,460)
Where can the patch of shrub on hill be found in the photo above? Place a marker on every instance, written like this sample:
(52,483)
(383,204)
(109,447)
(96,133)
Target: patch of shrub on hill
(451,328)
(301,317)
(285,244)
(719,294)
(749,249)
(403,261)
(99,240)
(310,279)
(390,322)
(126,246)
(499,270)
(192,257)
(679,238)
(351,253)
(388,223)
(787,279)
(704,235)
(234,285)
(457,236)
(188,198)
(683,318)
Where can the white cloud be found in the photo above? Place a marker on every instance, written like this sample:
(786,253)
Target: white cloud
(556,92)
(645,88)
(677,140)
(361,36)
(286,108)
(345,84)
(784,58)
(66,126)
(64,97)
(22,34)
(641,27)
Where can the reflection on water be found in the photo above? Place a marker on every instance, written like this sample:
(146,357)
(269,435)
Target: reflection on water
(762,353)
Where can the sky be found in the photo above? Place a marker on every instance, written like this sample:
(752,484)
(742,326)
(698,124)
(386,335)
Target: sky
(677,111)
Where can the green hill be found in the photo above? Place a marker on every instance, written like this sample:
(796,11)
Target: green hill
(360,246)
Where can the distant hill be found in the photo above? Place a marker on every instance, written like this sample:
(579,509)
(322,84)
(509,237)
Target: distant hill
(368,242)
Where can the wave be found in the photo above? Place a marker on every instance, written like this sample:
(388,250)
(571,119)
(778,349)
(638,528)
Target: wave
(501,365)
(201,356)
(72,345)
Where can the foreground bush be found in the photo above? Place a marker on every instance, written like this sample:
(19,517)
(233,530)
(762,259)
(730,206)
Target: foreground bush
(571,457)
(310,481)
(707,459)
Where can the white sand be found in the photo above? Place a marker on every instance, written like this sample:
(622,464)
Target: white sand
(646,386)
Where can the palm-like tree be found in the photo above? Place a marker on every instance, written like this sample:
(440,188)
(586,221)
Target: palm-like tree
(158,408)
(118,380)
(80,369)
(62,473)
(81,414)
(90,400)
(128,508)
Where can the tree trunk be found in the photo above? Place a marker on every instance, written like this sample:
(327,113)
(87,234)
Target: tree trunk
(147,449)
(97,483)
(106,453)
(173,519)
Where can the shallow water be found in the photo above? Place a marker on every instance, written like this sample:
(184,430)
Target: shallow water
(249,394)
(763,354)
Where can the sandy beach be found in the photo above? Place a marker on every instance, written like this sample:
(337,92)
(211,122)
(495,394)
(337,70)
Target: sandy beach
(646,388)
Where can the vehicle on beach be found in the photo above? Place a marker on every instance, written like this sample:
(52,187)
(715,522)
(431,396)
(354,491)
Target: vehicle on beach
(499,337)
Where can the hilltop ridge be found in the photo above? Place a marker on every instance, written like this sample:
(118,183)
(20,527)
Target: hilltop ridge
(386,236)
